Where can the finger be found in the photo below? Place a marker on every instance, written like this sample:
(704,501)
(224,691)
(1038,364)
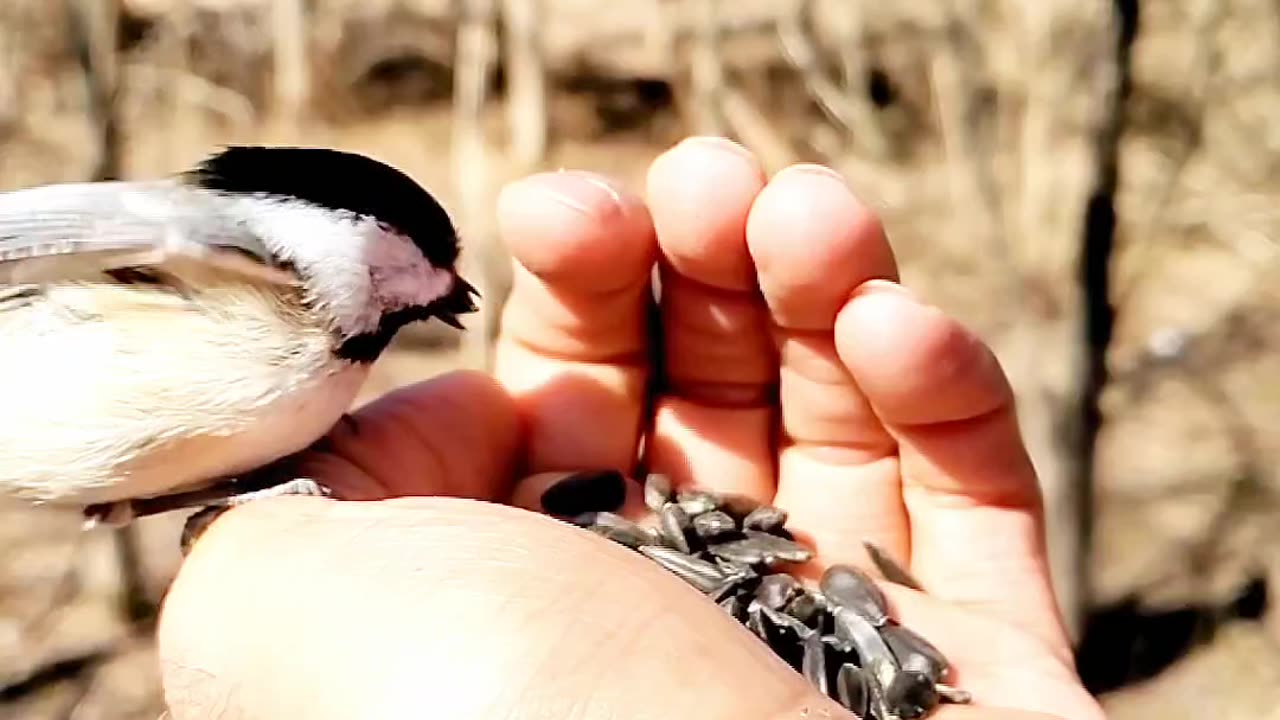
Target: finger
(969,486)
(449,608)
(813,242)
(713,425)
(573,340)
(455,435)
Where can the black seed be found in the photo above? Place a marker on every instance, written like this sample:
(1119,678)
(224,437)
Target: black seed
(714,525)
(776,548)
(783,533)
(849,587)
(615,528)
(696,502)
(591,491)
(783,620)
(842,648)
(743,551)
(701,574)
(740,579)
(735,606)
(737,506)
(657,491)
(946,693)
(873,653)
(782,638)
(776,590)
(807,608)
(676,527)
(853,689)
(814,665)
(736,569)
(892,571)
(913,652)
(766,519)
(911,695)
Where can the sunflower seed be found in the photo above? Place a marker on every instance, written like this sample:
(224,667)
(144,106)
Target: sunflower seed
(911,695)
(807,607)
(588,491)
(946,693)
(786,640)
(736,608)
(714,525)
(742,551)
(703,575)
(849,587)
(853,690)
(736,506)
(814,665)
(780,548)
(761,548)
(874,654)
(913,652)
(615,528)
(737,572)
(696,502)
(766,519)
(676,527)
(889,568)
(657,491)
(783,620)
(776,590)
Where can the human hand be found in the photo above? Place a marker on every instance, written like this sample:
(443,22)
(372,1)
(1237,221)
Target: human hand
(895,425)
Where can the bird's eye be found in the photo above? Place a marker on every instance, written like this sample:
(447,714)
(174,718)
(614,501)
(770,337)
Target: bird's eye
(384,227)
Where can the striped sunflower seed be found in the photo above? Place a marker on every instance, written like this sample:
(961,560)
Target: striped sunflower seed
(849,587)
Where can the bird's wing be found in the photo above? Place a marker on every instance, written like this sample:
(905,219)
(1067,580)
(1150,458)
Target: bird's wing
(60,232)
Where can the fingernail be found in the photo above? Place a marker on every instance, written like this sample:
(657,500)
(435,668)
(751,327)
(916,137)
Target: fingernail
(812,169)
(723,144)
(586,192)
(583,492)
(880,285)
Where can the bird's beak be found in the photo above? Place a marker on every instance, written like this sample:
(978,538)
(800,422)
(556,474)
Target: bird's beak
(457,302)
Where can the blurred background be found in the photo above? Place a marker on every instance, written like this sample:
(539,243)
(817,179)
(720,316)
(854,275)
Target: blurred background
(1091,184)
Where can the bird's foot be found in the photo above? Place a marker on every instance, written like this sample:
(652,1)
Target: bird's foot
(212,501)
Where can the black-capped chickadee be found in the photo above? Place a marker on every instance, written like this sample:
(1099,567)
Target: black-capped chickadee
(166,337)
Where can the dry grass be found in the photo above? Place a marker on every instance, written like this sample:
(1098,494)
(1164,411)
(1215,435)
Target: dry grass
(972,125)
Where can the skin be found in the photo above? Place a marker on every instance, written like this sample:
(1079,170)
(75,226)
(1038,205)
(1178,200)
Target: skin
(437,591)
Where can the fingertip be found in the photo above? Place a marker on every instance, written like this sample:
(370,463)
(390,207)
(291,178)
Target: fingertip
(577,229)
(916,365)
(812,241)
(701,191)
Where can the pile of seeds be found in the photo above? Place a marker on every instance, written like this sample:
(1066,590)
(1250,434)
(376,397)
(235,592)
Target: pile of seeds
(839,635)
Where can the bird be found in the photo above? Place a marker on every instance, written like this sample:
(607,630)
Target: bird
(168,338)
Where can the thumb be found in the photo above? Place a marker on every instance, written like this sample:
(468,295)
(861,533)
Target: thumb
(451,608)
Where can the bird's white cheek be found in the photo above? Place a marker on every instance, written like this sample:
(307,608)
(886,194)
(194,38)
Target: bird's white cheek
(413,284)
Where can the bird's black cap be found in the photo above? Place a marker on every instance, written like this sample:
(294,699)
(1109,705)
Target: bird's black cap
(339,181)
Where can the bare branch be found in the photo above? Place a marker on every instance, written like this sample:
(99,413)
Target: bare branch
(526,82)
(476,55)
(94,26)
(706,70)
(750,126)
(292,81)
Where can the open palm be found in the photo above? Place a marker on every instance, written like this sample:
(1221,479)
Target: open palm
(791,368)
